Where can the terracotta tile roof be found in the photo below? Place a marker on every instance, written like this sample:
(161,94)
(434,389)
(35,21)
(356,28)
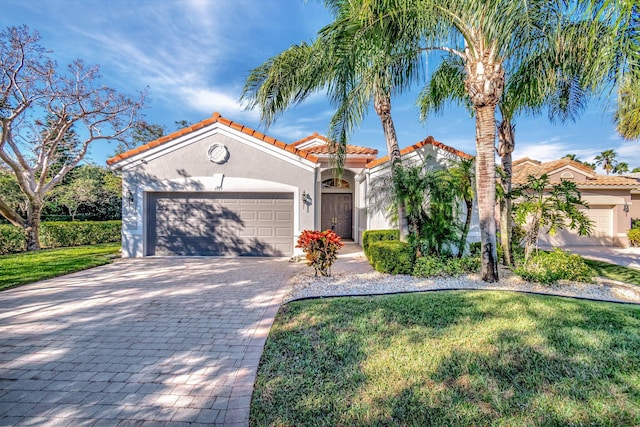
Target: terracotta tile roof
(522,170)
(427,141)
(326,149)
(215,118)
(554,165)
(524,160)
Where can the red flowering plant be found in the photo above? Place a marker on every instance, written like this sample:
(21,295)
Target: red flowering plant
(321,249)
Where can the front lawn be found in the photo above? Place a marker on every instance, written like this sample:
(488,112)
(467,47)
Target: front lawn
(28,267)
(615,272)
(450,358)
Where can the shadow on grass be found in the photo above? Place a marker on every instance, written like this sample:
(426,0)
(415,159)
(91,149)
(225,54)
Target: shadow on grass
(450,358)
(615,272)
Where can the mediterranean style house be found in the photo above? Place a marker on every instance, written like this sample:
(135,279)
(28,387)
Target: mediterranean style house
(613,200)
(220,188)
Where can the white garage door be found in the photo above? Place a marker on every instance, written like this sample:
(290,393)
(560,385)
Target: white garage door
(214,224)
(602,234)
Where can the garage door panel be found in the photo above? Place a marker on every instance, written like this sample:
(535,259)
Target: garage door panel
(213,224)
(601,235)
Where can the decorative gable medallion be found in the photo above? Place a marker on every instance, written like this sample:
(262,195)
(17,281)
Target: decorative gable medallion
(218,153)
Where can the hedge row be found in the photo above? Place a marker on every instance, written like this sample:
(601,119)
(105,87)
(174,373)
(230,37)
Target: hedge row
(372,236)
(61,234)
(394,257)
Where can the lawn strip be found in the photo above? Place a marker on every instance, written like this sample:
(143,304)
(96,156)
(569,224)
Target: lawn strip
(450,358)
(29,267)
(615,272)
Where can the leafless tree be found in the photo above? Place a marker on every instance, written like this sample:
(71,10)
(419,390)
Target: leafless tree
(49,117)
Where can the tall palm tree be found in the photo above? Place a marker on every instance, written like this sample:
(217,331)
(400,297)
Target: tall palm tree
(355,75)
(607,159)
(487,37)
(552,75)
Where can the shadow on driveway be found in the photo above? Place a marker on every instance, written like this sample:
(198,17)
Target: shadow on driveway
(157,339)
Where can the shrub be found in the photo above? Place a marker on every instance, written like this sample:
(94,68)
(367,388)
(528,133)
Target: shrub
(549,267)
(393,257)
(436,266)
(429,266)
(371,236)
(63,234)
(634,236)
(635,223)
(321,249)
(12,239)
(474,248)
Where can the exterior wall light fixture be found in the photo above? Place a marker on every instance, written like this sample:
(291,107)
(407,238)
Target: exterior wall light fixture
(306,198)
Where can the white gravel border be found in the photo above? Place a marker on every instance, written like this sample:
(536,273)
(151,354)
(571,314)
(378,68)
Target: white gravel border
(305,285)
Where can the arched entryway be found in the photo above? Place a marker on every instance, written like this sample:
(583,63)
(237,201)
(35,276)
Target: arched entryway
(337,204)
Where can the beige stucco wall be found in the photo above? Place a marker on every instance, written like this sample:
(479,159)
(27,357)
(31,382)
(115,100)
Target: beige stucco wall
(252,166)
(634,208)
(578,177)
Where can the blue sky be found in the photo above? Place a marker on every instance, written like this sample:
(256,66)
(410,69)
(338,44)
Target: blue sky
(194,55)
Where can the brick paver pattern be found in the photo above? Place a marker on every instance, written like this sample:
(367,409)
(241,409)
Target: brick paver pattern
(154,341)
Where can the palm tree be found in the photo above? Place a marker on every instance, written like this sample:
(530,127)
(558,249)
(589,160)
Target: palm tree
(551,76)
(356,76)
(607,159)
(620,168)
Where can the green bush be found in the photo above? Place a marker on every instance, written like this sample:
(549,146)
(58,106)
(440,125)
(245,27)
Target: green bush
(12,239)
(392,257)
(371,236)
(634,236)
(430,266)
(62,234)
(635,223)
(549,267)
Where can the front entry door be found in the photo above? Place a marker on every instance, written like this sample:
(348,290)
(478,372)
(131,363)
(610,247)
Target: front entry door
(337,213)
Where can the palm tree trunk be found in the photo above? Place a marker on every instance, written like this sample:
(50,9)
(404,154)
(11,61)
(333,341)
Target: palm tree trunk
(382,105)
(465,230)
(506,145)
(486,189)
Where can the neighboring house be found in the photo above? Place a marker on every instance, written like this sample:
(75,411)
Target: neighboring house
(613,200)
(220,188)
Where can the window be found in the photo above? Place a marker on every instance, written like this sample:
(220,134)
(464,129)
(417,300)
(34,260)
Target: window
(335,183)
(566,175)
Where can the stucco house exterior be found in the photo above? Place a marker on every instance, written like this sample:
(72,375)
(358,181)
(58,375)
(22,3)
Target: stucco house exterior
(220,188)
(613,200)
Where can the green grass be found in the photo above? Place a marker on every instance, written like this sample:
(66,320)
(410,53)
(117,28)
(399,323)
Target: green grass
(450,358)
(615,272)
(29,267)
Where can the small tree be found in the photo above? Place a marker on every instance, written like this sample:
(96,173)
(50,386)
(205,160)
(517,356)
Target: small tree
(431,198)
(81,191)
(553,206)
(39,109)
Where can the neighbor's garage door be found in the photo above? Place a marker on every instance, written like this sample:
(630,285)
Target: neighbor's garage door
(259,224)
(601,233)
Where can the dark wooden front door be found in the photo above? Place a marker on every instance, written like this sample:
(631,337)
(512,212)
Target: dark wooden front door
(337,213)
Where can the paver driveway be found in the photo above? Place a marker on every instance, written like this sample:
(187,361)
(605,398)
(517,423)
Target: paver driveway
(141,341)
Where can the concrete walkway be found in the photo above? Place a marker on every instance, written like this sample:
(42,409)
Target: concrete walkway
(156,341)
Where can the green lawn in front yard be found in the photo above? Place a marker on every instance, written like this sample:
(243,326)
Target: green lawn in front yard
(450,358)
(28,267)
(615,272)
